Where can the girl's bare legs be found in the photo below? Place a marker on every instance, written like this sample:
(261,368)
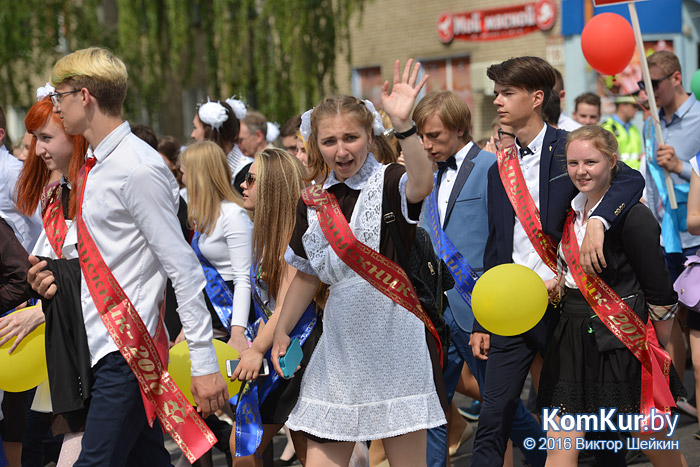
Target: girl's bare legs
(376,453)
(13,452)
(269,432)
(568,455)
(300,444)
(288,451)
(407,450)
(670,458)
(332,454)
(694,338)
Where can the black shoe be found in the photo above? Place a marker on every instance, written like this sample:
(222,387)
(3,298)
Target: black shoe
(292,460)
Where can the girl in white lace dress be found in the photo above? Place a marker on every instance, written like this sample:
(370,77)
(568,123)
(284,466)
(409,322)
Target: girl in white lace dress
(370,376)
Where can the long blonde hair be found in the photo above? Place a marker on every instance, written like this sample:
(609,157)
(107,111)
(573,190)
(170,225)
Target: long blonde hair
(279,179)
(208,184)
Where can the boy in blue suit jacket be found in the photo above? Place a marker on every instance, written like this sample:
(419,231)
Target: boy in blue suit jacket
(522,87)
(459,199)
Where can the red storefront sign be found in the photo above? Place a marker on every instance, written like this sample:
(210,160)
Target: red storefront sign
(497,23)
(612,2)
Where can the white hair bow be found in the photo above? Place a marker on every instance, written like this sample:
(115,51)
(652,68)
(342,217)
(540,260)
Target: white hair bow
(305,128)
(238,107)
(44,91)
(377,125)
(273,131)
(213,114)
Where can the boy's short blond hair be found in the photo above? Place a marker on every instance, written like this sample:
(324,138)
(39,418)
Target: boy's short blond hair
(99,71)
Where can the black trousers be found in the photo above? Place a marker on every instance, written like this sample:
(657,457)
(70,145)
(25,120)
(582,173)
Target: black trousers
(508,363)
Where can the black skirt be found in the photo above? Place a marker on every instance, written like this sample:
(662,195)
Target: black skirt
(583,372)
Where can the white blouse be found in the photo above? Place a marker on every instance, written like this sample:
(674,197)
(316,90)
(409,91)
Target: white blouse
(578,204)
(229,249)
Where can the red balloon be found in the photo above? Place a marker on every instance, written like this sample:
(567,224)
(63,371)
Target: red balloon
(607,42)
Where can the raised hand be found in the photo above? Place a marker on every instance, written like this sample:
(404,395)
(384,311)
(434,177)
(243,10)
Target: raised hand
(399,104)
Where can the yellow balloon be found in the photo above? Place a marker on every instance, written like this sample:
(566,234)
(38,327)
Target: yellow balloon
(25,368)
(509,299)
(179,367)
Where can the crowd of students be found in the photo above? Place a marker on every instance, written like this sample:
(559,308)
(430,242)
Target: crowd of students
(144,246)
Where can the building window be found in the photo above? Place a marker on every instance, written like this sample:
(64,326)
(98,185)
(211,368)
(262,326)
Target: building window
(367,84)
(450,73)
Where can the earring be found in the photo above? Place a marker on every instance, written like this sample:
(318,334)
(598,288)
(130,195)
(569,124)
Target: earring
(369,148)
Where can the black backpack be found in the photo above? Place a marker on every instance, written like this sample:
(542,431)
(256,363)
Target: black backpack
(428,274)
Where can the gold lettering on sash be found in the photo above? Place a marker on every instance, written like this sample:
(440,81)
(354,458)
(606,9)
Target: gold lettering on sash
(362,259)
(171,408)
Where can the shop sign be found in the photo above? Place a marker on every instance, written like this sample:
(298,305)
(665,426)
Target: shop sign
(612,2)
(497,23)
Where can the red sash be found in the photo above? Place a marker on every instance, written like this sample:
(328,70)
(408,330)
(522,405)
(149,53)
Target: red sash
(524,206)
(617,316)
(382,273)
(146,358)
(52,217)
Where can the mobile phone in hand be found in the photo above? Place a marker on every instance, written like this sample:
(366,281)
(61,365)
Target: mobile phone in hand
(291,360)
(232,364)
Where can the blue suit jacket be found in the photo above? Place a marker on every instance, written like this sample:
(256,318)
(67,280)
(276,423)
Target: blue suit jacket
(466,223)
(556,192)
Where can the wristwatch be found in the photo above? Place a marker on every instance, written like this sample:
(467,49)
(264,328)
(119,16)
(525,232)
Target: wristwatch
(407,133)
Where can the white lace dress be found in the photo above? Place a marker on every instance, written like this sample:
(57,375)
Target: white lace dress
(370,376)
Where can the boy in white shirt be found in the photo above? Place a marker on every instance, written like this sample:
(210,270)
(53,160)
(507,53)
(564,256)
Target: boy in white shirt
(130,243)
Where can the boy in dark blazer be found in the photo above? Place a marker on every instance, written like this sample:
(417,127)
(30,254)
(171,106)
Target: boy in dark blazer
(443,121)
(522,87)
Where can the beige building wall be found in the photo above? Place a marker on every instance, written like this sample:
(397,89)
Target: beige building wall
(400,29)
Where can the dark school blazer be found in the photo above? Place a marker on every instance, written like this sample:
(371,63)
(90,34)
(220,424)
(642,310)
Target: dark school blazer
(556,192)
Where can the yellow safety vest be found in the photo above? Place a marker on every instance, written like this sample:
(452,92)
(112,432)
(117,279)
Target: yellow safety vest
(629,143)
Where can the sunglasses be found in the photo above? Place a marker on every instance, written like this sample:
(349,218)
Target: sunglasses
(249,178)
(654,82)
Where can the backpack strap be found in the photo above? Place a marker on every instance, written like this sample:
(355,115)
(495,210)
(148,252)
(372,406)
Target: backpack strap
(390,220)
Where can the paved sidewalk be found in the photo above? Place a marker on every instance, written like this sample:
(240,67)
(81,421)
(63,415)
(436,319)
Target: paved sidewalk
(684,434)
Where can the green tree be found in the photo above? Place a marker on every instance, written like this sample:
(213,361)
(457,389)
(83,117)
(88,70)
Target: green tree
(279,56)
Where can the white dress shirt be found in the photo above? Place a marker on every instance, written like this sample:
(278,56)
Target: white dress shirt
(447,181)
(130,210)
(523,251)
(28,227)
(578,204)
(229,248)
